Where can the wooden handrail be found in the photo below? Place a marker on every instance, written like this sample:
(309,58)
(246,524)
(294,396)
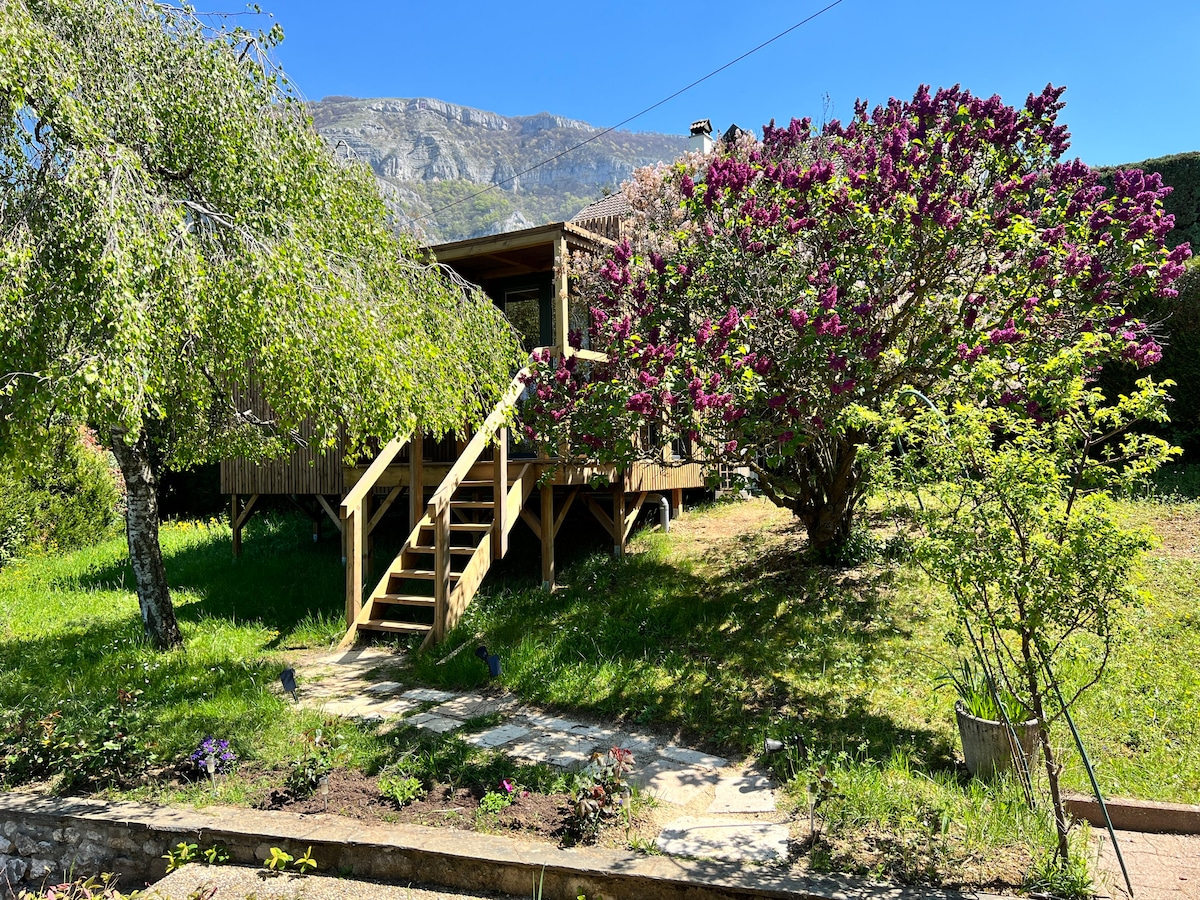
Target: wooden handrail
(374,472)
(458,472)
(492,424)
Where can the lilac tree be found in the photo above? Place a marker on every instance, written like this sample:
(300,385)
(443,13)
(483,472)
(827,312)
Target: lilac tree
(777,294)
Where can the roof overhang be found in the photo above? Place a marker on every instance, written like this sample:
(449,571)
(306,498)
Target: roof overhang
(514,253)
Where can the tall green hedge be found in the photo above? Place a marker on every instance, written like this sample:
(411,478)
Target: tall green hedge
(1178,318)
(67,499)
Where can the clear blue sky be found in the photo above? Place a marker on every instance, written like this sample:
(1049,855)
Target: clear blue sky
(1132,69)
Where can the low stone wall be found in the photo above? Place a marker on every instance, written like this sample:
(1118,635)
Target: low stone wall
(48,838)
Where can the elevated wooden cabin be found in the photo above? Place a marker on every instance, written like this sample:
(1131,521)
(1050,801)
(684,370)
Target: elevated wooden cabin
(464,499)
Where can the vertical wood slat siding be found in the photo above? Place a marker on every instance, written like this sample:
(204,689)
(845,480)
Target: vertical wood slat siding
(304,471)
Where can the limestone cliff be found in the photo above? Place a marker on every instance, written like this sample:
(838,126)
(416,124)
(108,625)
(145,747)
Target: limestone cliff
(428,153)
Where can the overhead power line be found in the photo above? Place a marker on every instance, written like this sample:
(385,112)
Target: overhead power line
(637,115)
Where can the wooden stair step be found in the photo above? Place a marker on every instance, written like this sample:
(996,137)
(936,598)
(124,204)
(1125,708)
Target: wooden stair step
(395,627)
(422,574)
(404,599)
(462,526)
(477,483)
(472,504)
(457,551)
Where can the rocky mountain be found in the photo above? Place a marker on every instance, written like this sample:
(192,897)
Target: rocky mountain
(428,154)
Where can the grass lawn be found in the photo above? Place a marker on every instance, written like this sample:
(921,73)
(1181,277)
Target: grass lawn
(718,633)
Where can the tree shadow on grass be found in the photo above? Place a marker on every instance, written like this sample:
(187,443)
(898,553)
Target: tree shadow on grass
(768,643)
(283,579)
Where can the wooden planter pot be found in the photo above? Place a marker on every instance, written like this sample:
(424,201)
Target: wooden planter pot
(987,747)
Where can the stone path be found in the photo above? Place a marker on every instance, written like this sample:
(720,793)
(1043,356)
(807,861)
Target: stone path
(730,809)
(1161,866)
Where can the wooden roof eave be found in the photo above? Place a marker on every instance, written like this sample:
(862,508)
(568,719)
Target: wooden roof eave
(577,237)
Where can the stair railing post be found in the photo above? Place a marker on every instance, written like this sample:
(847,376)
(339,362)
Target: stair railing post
(500,494)
(441,571)
(353,546)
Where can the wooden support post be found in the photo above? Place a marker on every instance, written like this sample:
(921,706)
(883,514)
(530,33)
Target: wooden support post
(237,532)
(368,540)
(352,543)
(676,503)
(329,511)
(416,478)
(547,522)
(618,519)
(441,571)
(561,304)
(500,494)
(238,518)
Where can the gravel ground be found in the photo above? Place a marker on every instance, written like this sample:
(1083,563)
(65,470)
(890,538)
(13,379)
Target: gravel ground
(239,883)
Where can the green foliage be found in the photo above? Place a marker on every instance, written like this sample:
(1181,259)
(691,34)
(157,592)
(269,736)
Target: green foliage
(320,753)
(400,788)
(305,863)
(64,498)
(1178,321)
(278,860)
(178,235)
(79,744)
(980,695)
(215,855)
(602,791)
(94,887)
(183,854)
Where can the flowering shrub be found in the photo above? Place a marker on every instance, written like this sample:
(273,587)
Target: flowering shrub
(777,295)
(224,758)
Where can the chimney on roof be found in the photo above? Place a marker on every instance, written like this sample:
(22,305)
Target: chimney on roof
(701,136)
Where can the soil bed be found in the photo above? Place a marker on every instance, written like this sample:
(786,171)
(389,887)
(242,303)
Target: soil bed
(357,796)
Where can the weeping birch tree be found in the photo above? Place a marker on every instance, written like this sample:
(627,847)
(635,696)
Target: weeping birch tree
(171,222)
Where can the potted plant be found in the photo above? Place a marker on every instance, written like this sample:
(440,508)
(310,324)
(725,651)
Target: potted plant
(992,723)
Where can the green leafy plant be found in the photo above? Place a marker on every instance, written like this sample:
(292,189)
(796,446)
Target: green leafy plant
(96,887)
(278,860)
(493,801)
(319,754)
(402,789)
(305,863)
(978,694)
(601,792)
(215,855)
(183,854)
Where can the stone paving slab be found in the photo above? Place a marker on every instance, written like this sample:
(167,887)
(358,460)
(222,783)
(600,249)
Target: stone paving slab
(715,838)
(693,757)
(1161,866)
(467,706)
(429,695)
(496,737)
(745,792)
(433,722)
(666,772)
(668,781)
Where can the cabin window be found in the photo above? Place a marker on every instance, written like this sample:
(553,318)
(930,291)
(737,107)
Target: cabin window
(527,307)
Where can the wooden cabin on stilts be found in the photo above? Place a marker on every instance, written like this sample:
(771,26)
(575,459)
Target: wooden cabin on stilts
(464,499)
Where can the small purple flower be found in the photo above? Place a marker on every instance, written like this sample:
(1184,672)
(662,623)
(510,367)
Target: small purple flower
(219,750)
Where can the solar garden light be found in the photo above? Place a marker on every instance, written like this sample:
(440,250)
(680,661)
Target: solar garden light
(210,766)
(288,679)
(323,784)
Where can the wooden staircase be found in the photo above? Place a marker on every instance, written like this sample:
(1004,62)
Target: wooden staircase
(465,526)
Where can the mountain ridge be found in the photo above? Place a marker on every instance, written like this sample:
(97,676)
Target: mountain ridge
(430,156)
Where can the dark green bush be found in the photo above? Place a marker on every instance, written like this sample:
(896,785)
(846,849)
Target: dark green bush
(67,498)
(1177,322)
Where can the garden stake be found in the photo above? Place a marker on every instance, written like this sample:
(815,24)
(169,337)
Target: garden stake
(1087,764)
